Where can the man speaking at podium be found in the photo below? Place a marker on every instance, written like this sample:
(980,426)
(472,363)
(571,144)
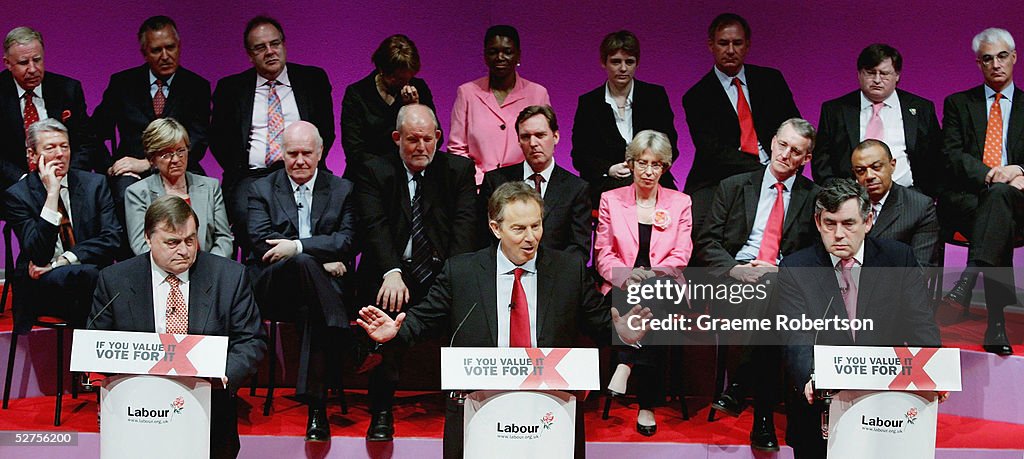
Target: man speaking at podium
(515,296)
(175,288)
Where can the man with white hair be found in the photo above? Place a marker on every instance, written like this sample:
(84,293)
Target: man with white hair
(984,201)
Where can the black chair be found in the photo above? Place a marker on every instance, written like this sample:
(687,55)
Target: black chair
(8,264)
(60,326)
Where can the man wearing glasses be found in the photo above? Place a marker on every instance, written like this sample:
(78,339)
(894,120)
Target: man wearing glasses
(982,127)
(252,109)
(904,121)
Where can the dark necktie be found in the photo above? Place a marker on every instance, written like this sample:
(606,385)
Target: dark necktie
(537,180)
(421,248)
(519,321)
(159,100)
(31,114)
(66,233)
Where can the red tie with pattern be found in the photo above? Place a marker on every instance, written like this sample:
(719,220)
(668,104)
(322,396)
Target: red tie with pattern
(772,237)
(31,114)
(519,325)
(177,310)
(159,100)
(748,136)
(993,154)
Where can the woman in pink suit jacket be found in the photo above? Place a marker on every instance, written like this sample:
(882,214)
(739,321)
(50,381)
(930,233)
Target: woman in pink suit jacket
(484,116)
(643,232)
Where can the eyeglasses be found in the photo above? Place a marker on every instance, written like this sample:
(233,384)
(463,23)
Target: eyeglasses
(179,153)
(262,47)
(988,59)
(656,166)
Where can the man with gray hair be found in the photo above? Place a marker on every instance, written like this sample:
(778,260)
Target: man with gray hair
(983,200)
(848,276)
(66,228)
(25,99)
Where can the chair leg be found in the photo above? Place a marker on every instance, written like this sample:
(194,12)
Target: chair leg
(720,361)
(8,265)
(607,406)
(272,369)
(10,368)
(60,377)
(341,392)
(255,381)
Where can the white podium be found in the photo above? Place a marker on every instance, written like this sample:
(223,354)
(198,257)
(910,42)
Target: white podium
(520,407)
(158,404)
(887,406)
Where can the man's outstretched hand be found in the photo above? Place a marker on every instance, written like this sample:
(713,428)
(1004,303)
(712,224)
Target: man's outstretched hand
(622,324)
(380,326)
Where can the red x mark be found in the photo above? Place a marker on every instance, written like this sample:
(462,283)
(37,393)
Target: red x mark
(914,373)
(178,360)
(546,373)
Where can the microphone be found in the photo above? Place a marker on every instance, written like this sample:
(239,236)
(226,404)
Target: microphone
(456,332)
(825,394)
(511,306)
(88,326)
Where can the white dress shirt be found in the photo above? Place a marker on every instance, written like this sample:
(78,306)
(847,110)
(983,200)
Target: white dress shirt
(546,174)
(506,280)
(161,291)
(765,202)
(730,90)
(407,252)
(258,139)
(625,121)
(1005,105)
(893,133)
(37,99)
(877,207)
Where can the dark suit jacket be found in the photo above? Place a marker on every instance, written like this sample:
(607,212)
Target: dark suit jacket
(231,123)
(385,211)
(839,132)
(96,228)
(909,217)
(127,108)
(367,122)
(566,302)
(596,143)
(715,128)
(964,121)
(64,101)
(567,218)
(220,303)
(895,299)
(732,219)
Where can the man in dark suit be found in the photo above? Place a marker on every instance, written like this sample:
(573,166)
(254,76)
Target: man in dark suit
(251,110)
(732,112)
(742,241)
(24,99)
(66,228)
(881,281)
(598,136)
(302,225)
(131,101)
(899,213)
(566,196)
(561,297)
(416,209)
(204,295)
(983,129)
(905,122)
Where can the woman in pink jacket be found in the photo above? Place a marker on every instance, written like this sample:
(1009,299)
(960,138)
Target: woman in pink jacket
(643,233)
(484,116)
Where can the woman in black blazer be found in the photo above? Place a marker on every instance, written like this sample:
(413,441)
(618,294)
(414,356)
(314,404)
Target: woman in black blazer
(600,131)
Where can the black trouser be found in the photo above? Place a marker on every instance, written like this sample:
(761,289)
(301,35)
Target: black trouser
(803,426)
(224,442)
(65,292)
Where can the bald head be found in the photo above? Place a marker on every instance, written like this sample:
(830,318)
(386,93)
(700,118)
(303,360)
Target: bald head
(416,136)
(303,148)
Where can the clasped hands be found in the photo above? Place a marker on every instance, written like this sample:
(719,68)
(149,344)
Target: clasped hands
(752,272)
(1010,174)
(283,249)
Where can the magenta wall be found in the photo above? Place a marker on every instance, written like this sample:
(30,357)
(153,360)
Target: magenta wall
(814,43)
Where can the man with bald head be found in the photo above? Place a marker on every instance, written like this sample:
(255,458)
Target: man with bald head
(416,209)
(302,225)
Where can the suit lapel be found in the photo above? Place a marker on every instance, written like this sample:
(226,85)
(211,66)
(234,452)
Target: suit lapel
(555,194)
(52,101)
(199,300)
(286,199)
(628,216)
(245,109)
(828,285)
(909,122)
(722,99)
(751,194)
(9,97)
(891,209)
(544,292)
(78,204)
(140,297)
(869,275)
(979,117)
(173,97)
(797,196)
(487,280)
(299,91)
(851,118)
(321,199)
(1014,152)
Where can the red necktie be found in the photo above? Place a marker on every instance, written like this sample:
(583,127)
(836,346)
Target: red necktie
(31,115)
(772,237)
(159,99)
(849,290)
(177,310)
(993,155)
(748,136)
(519,325)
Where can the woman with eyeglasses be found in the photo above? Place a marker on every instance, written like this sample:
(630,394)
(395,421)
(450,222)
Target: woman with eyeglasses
(643,235)
(165,142)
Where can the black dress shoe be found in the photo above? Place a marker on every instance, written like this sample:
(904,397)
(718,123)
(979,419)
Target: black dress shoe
(996,341)
(762,435)
(647,431)
(960,294)
(317,427)
(382,427)
(731,401)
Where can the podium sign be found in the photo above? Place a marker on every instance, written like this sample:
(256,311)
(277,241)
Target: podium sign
(517,368)
(154,417)
(870,424)
(887,368)
(149,353)
(519,424)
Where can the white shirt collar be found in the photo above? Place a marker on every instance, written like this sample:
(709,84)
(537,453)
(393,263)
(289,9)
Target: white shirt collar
(770,180)
(891,101)
(546,173)
(858,257)
(281,79)
(881,202)
(727,80)
(1007,92)
(611,100)
(506,266)
(38,90)
(159,275)
(152,78)
(309,184)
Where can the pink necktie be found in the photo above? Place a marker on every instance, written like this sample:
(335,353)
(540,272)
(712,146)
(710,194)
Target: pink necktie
(875,129)
(849,290)
(177,310)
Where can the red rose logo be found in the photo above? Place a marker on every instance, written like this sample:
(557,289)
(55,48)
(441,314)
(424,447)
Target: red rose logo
(178,404)
(911,415)
(548,420)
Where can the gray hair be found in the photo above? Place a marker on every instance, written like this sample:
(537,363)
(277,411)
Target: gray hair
(654,141)
(803,129)
(508,193)
(46,125)
(839,191)
(161,134)
(22,36)
(992,35)
(405,109)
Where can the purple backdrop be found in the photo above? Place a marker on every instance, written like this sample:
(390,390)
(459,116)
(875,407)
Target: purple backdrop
(815,44)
